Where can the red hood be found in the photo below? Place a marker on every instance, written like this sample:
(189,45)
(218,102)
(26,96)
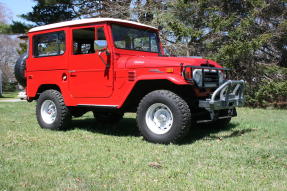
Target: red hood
(157,61)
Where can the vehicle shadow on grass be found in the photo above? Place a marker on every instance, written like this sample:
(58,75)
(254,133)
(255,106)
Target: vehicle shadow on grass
(126,127)
(207,132)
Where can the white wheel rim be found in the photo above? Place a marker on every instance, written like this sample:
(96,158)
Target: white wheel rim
(48,111)
(159,118)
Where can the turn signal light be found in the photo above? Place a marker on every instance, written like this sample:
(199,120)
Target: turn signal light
(169,70)
(188,73)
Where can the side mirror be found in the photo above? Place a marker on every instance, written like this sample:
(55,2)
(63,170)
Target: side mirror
(100,44)
(103,50)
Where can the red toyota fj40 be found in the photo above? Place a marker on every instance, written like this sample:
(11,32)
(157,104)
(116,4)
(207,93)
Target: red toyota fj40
(112,66)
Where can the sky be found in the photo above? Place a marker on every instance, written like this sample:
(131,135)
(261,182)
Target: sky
(18,7)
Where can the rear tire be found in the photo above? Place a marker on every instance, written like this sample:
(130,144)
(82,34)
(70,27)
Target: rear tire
(51,111)
(163,117)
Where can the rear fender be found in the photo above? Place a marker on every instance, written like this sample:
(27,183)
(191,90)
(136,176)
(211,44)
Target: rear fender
(34,92)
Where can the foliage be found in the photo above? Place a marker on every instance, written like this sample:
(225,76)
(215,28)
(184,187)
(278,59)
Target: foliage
(10,47)
(244,35)
(22,48)
(241,35)
(14,28)
(8,57)
(249,155)
(19,27)
(272,94)
(50,11)
(232,32)
(270,90)
(9,86)
(5,28)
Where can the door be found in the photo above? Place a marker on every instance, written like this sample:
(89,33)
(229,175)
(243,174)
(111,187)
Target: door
(90,73)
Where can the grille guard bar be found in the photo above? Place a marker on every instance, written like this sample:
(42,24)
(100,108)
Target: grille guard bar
(227,96)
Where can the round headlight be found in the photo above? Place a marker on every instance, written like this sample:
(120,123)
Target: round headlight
(197,76)
(221,77)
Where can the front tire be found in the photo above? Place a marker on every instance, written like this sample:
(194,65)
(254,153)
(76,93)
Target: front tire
(163,117)
(51,111)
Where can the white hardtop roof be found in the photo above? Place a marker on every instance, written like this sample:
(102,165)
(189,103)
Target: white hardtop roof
(85,21)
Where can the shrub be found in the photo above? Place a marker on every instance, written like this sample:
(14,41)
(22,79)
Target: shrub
(9,87)
(272,94)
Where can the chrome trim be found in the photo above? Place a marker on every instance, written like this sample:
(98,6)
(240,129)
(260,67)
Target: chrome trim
(94,105)
(227,96)
(207,67)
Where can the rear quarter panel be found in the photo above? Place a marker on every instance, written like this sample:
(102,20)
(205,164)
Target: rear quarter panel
(47,70)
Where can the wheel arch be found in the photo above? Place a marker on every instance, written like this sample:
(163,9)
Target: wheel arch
(44,87)
(143,87)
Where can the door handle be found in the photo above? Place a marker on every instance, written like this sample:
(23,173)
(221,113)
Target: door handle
(103,60)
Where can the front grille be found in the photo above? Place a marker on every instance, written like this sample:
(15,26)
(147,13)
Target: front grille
(203,76)
(210,78)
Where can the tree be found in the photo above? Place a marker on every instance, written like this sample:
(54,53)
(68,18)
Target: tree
(8,49)
(51,11)
(245,35)
(248,36)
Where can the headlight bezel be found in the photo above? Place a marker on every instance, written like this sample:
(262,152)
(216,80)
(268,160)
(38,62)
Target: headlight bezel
(221,77)
(197,77)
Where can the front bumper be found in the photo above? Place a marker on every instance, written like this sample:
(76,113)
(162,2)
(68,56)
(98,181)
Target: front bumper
(227,96)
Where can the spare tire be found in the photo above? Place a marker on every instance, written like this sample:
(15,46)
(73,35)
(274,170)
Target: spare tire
(20,67)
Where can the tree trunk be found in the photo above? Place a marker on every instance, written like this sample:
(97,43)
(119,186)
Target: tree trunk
(1,84)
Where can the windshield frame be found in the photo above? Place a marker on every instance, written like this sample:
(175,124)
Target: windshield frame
(140,29)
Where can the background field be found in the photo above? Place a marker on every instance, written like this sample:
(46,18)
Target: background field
(250,155)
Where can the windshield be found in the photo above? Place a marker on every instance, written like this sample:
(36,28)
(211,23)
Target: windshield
(135,39)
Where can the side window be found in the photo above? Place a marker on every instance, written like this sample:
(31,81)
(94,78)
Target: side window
(49,44)
(88,40)
(100,41)
(83,41)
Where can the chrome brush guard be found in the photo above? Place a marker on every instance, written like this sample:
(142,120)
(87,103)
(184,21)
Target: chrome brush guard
(227,96)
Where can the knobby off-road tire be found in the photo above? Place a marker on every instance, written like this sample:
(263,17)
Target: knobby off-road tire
(111,117)
(51,111)
(19,69)
(163,117)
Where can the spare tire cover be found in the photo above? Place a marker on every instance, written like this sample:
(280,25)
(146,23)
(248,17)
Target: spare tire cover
(20,67)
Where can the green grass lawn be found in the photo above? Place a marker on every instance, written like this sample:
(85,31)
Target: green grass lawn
(250,155)
(9,95)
